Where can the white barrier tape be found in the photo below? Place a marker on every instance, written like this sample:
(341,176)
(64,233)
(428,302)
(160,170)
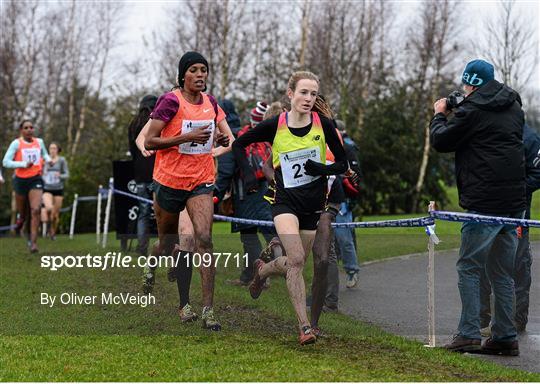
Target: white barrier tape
(415,222)
(494,220)
(7,227)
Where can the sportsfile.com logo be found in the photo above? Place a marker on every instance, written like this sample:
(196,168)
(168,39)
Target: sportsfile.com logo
(118,260)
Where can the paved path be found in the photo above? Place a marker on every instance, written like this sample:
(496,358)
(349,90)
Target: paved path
(393,295)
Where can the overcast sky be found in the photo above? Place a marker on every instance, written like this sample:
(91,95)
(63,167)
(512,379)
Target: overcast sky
(145,16)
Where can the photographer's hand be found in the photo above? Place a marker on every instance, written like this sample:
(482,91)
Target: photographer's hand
(440,106)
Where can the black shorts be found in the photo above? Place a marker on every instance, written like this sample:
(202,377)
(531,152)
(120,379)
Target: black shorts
(306,221)
(174,200)
(23,185)
(58,192)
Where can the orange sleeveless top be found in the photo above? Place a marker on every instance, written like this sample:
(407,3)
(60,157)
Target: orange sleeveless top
(187,165)
(29,152)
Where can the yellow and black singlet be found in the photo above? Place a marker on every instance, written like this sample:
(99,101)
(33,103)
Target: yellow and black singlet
(291,149)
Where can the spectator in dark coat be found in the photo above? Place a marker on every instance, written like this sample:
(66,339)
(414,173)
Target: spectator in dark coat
(522,265)
(247,206)
(486,134)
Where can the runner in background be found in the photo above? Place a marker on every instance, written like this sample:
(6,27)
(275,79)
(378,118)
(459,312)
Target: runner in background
(183,127)
(55,174)
(26,155)
(299,140)
(247,205)
(186,243)
(143,167)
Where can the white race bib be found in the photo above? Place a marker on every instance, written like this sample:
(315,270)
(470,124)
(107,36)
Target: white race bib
(194,148)
(31,154)
(292,166)
(52,177)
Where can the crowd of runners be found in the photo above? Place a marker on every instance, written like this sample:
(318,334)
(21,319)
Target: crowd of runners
(38,182)
(293,164)
(190,151)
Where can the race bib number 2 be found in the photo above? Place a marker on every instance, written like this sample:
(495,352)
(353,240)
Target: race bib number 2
(194,148)
(31,154)
(292,166)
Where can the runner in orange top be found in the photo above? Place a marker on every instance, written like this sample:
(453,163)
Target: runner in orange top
(26,154)
(183,130)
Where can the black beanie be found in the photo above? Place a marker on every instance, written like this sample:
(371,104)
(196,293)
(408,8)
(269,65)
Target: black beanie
(187,60)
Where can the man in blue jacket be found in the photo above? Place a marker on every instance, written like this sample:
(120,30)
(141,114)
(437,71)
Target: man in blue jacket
(486,134)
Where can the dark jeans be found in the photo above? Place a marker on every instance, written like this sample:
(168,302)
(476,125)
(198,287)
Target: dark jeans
(252,246)
(522,282)
(489,248)
(345,240)
(143,218)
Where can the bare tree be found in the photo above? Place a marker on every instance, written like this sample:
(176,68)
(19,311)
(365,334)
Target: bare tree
(512,45)
(432,49)
(347,49)
(21,43)
(304,34)
(218,31)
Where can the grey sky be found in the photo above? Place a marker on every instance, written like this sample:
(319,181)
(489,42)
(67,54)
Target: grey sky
(144,17)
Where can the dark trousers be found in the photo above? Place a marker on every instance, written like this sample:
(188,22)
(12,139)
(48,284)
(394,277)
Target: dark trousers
(144,217)
(522,282)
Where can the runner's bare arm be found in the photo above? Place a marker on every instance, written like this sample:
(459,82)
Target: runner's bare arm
(139,141)
(222,134)
(154,141)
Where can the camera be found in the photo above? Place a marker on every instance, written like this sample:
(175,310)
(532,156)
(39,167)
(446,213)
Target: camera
(454,99)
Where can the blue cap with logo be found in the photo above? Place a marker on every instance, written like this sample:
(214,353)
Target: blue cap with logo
(477,73)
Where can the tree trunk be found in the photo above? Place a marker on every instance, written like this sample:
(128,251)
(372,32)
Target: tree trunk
(422,171)
(304,37)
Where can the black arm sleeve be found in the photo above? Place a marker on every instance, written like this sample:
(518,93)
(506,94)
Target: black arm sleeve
(264,131)
(447,135)
(332,140)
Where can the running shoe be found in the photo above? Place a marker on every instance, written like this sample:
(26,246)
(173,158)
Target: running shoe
(267,254)
(352,279)
(186,314)
(149,279)
(317,332)
(34,249)
(209,321)
(307,336)
(257,284)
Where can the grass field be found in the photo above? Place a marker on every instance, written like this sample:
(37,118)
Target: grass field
(258,343)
